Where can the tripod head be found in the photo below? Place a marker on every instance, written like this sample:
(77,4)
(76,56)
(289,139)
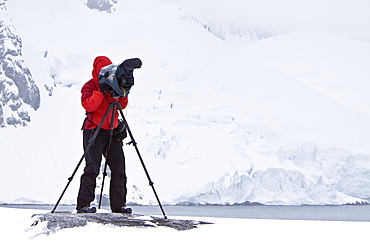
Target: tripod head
(118,80)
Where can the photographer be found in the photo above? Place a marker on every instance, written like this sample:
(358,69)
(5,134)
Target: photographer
(96,98)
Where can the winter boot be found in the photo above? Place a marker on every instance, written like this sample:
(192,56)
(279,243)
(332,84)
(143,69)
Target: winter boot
(86,210)
(123,210)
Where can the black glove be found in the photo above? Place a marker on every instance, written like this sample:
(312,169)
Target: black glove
(104,87)
(120,132)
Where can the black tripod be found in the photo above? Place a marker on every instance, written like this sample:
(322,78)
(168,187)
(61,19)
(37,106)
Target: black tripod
(112,107)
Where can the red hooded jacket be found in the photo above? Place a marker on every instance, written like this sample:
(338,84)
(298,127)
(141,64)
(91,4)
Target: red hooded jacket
(95,102)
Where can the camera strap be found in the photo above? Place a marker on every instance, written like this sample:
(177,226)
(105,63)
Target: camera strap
(87,119)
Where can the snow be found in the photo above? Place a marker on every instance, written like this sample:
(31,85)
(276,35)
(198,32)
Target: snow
(16,229)
(346,18)
(207,115)
(326,62)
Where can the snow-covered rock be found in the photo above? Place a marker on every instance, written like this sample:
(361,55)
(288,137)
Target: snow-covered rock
(17,86)
(101,5)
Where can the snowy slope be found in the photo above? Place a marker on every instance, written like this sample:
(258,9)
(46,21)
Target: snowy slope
(215,123)
(330,64)
(235,20)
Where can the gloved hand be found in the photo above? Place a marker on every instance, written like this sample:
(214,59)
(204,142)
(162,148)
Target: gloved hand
(104,87)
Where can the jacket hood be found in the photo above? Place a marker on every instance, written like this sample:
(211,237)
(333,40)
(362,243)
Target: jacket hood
(99,63)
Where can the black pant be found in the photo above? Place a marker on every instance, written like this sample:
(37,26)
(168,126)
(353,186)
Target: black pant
(116,162)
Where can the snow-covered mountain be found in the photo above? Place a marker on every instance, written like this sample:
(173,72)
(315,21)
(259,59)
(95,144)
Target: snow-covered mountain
(17,86)
(224,109)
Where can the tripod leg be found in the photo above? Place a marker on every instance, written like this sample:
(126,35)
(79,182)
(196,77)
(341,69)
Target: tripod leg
(133,142)
(104,175)
(69,181)
(107,152)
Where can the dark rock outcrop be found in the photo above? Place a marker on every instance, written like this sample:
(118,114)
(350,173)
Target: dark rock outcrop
(101,5)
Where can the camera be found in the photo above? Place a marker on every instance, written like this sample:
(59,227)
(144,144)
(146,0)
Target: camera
(118,80)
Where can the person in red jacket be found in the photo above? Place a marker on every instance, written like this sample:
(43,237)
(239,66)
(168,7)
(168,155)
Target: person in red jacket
(96,104)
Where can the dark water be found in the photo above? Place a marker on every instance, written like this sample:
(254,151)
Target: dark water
(327,213)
